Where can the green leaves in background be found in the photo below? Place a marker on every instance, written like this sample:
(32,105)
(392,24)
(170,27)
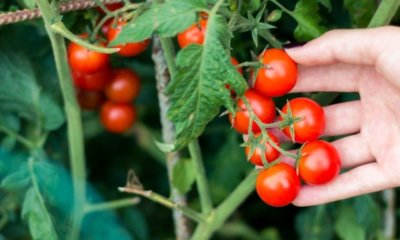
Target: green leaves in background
(166,20)
(183,175)
(27,3)
(198,90)
(20,94)
(308,19)
(360,11)
(35,213)
(346,226)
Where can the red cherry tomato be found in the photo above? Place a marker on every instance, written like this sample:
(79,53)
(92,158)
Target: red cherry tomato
(271,153)
(106,26)
(86,61)
(312,123)
(193,35)
(93,82)
(128,49)
(278,185)
(262,107)
(235,62)
(111,7)
(90,100)
(124,86)
(117,117)
(279,74)
(319,162)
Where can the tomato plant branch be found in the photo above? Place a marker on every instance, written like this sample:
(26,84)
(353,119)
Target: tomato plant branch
(163,58)
(201,179)
(89,208)
(27,14)
(155,197)
(385,12)
(73,116)
(22,140)
(218,217)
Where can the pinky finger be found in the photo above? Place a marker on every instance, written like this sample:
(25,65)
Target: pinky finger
(360,180)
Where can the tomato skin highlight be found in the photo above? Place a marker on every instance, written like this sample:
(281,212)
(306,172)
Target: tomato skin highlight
(195,34)
(279,74)
(263,108)
(271,154)
(278,185)
(86,61)
(93,82)
(117,117)
(128,49)
(124,86)
(312,123)
(319,162)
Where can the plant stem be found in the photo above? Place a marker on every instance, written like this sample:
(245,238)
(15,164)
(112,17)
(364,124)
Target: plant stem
(22,140)
(201,179)
(155,197)
(385,12)
(217,218)
(163,57)
(111,205)
(73,115)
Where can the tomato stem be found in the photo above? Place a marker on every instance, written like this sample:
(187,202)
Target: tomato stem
(90,208)
(22,140)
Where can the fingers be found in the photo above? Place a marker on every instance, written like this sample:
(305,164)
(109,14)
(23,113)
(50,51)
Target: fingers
(342,118)
(346,46)
(361,180)
(353,151)
(334,78)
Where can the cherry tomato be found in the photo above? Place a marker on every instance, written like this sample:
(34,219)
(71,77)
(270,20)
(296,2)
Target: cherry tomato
(262,107)
(106,26)
(312,123)
(117,117)
(128,49)
(271,153)
(236,62)
(124,86)
(93,82)
(86,61)
(90,100)
(279,74)
(111,7)
(319,162)
(193,35)
(278,185)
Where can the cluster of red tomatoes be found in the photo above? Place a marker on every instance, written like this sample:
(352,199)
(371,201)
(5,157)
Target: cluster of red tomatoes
(100,86)
(301,119)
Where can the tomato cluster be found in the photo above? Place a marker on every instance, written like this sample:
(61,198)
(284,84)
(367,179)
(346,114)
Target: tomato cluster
(99,86)
(301,119)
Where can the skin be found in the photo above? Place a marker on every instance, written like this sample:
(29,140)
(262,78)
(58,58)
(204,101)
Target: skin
(363,61)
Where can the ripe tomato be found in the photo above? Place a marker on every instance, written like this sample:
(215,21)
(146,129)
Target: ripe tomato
(194,34)
(117,117)
(319,162)
(112,7)
(236,62)
(86,61)
(278,185)
(312,123)
(271,153)
(279,74)
(90,100)
(262,107)
(128,49)
(106,26)
(93,82)
(124,87)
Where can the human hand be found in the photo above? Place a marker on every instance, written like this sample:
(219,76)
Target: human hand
(364,61)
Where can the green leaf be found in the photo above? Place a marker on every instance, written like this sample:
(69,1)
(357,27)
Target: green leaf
(307,17)
(368,214)
(314,223)
(183,175)
(27,3)
(360,11)
(346,225)
(35,214)
(198,90)
(166,20)
(326,3)
(20,93)
(10,121)
(17,181)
